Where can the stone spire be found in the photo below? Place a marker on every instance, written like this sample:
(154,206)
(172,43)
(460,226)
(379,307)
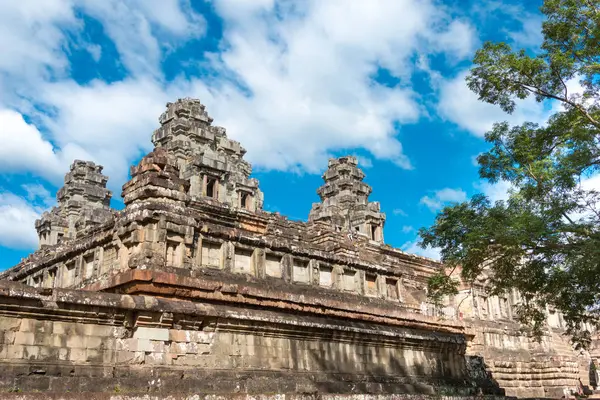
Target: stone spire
(83,201)
(211,162)
(345,201)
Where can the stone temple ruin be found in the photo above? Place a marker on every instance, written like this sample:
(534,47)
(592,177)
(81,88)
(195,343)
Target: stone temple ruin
(194,288)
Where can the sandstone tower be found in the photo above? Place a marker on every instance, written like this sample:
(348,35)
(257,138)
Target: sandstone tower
(83,202)
(212,163)
(345,201)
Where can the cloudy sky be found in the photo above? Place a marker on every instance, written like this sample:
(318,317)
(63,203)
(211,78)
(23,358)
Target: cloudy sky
(296,82)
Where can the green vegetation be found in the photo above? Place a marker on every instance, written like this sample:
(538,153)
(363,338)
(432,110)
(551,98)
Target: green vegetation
(545,239)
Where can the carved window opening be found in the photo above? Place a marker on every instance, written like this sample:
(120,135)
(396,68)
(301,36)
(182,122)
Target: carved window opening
(273,266)
(243,261)
(51,278)
(349,280)
(483,306)
(88,265)
(211,254)
(211,187)
(374,232)
(59,237)
(504,312)
(172,254)
(108,258)
(37,281)
(300,271)
(392,288)
(371,284)
(325,276)
(245,200)
(69,276)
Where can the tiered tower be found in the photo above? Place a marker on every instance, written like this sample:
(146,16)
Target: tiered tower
(345,201)
(83,201)
(212,163)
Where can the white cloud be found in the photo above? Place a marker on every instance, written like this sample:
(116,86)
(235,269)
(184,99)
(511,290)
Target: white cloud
(412,247)
(30,35)
(531,33)
(442,197)
(407,229)
(321,61)
(400,212)
(110,124)
(17,219)
(590,204)
(142,29)
(24,149)
(286,75)
(461,37)
(364,162)
(458,104)
(523,27)
(95,51)
(496,191)
(37,193)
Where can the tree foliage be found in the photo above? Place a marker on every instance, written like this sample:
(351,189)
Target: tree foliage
(544,240)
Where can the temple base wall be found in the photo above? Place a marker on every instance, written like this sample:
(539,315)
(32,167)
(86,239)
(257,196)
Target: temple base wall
(77,341)
(522,366)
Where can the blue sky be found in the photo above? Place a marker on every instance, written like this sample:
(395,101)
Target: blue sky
(296,82)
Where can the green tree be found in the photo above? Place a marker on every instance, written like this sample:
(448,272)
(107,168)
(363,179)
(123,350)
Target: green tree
(545,239)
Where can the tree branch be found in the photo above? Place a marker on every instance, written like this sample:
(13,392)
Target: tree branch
(538,91)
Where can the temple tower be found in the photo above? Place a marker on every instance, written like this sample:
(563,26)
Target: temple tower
(345,201)
(83,201)
(211,162)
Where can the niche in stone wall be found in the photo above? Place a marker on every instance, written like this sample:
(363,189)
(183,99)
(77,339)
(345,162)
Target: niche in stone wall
(349,280)
(373,232)
(212,186)
(273,265)
(300,271)
(88,265)
(325,275)
(391,286)
(371,284)
(69,275)
(482,306)
(211,254)
(245,200)
(243,261)
(36,281)
(504,312)
(51,278)
(109,256)
(173,256)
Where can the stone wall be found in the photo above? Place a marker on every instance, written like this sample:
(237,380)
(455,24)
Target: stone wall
(523,366)
(75,341)
(145,396)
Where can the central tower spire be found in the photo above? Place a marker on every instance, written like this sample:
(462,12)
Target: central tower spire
(212,163)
